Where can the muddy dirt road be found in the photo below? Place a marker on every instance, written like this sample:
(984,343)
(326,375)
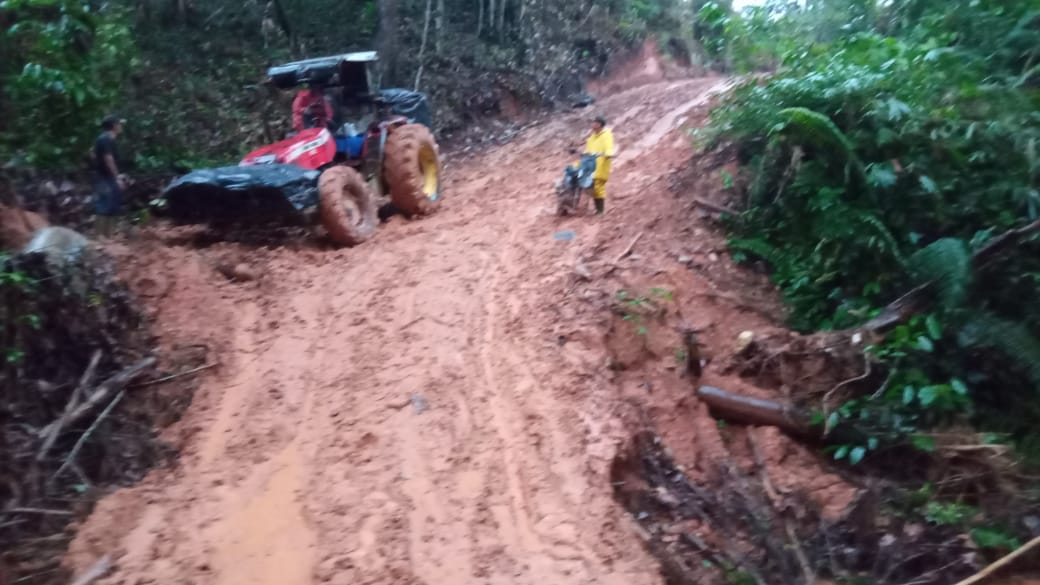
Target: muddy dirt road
(402,412)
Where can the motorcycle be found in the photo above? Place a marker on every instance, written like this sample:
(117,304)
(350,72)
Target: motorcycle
(577,179)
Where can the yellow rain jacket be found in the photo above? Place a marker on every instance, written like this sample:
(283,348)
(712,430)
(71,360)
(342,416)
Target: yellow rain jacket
(601,143)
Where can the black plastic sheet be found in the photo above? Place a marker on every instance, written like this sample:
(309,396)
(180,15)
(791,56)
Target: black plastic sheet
(258,193)
(412,104)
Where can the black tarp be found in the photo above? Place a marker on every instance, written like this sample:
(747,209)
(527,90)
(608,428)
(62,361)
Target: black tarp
(259,193)
(411,104)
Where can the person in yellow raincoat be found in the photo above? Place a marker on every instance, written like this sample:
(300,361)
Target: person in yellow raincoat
(601,142)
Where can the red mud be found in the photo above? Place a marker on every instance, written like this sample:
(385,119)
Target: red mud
(437,405)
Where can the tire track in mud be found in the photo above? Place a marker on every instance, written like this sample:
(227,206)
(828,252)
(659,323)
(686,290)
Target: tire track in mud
(402,412)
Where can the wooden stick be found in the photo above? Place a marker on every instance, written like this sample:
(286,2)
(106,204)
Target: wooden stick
(1001,563)
(85,380)
(83,438)
(714,207)
(177,375)
(112,384)
(628,250)
(40,511)
(95,572)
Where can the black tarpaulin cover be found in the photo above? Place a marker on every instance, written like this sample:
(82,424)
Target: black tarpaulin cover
(241,193)
(412,104)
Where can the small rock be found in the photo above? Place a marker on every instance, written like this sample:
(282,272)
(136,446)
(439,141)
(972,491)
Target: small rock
(685,259)
(244,272)
(665,497)
(240,272)
(57,243)
(713,257)
(582,272)
(745,340)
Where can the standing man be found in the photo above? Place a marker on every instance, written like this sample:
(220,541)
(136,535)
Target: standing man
(108,183)
(601,142)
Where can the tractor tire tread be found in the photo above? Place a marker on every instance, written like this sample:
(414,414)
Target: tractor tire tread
(335,185)
(404,173)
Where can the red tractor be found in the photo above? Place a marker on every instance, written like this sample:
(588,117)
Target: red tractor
(343,173)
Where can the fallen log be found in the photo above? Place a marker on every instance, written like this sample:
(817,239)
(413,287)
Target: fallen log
(770,413)
(755,411)
(921,298)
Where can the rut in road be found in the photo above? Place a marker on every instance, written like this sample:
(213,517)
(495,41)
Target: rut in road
(401,412)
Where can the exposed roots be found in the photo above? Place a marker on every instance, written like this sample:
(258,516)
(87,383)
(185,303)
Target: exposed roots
(73,417)
(745,530)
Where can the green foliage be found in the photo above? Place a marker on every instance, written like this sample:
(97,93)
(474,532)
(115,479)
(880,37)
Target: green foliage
(948,514)
(634,308)
(15,285)
(946,262)
(997,538)
(888,149)
(64,66)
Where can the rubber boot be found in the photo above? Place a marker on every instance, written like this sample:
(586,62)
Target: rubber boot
(601,205)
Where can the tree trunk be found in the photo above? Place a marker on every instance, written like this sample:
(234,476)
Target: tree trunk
(439,22)
(480,17)
(422,45)
(283,23)
(502,20)
(491,16)
(387,42)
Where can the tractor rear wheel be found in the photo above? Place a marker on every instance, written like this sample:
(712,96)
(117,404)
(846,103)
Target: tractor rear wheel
(346,206)
(412,167)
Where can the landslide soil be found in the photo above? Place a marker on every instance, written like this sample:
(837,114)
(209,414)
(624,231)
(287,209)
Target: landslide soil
(437,405)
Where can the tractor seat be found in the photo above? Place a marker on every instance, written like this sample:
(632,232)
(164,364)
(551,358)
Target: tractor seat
(351,146)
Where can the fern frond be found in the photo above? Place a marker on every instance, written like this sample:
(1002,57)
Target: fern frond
(948,263)
(874,223)
(1012,339)
(821,132)
(758,247)
(766,173)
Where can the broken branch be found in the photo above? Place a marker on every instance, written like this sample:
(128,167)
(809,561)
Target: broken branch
(71,458)
(112,384)
(1001,563)
(714,207)
(177,375)
(922,297)
(628,250)
(85,380)
(98,570)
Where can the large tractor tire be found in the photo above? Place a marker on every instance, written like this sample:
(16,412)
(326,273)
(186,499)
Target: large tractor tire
(346,206)
(412,168)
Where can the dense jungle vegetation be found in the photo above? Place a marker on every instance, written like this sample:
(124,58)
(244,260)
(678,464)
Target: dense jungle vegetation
(189,73)
(894,150)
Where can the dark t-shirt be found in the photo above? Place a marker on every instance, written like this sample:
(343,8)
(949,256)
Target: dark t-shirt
(105,144)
